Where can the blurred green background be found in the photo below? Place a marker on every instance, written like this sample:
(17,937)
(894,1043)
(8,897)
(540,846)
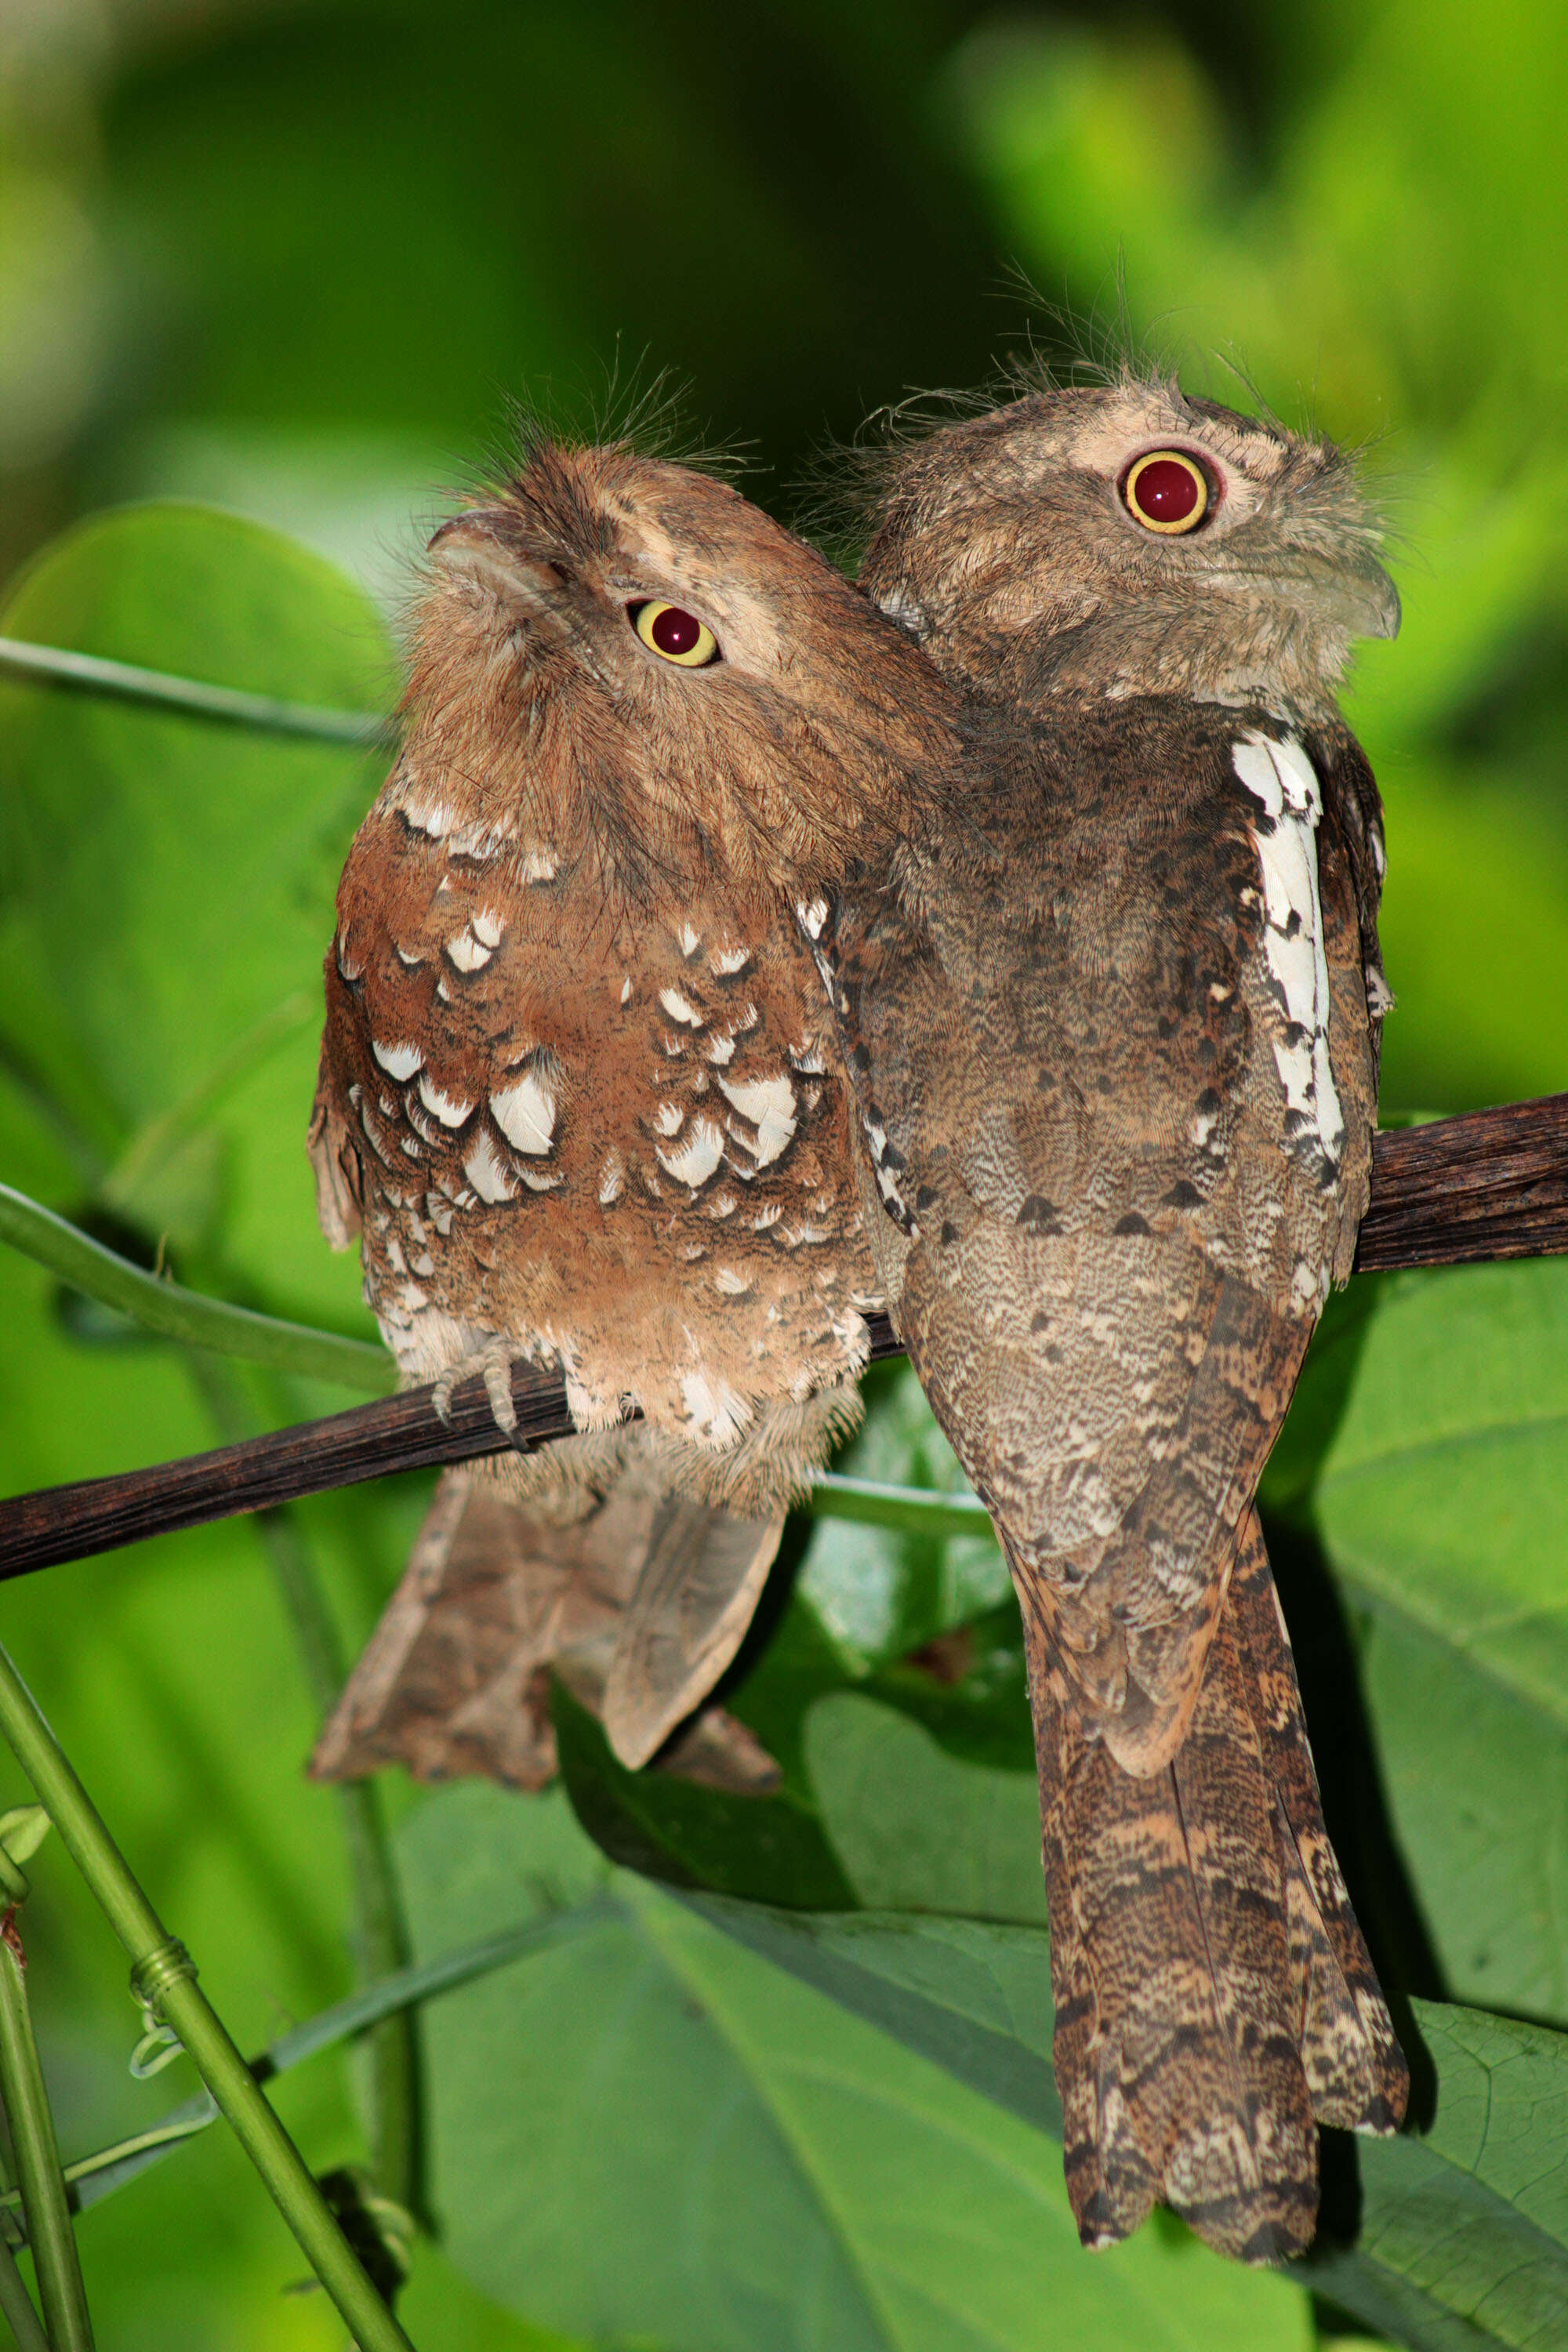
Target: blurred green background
(295,259)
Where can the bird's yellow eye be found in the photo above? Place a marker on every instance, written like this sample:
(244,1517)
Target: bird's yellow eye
(1167,491)
(675,636)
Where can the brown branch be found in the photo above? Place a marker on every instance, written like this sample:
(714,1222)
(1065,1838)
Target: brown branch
(1493,1184)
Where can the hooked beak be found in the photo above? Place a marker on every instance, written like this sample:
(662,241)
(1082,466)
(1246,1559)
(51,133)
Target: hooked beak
(1369,601)
(1355,593)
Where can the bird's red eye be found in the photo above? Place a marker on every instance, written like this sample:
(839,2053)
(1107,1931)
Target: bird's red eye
(1167,491)
(679,637)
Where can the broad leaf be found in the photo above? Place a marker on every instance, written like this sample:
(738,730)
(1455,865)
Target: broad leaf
(915,1828)
(1425,1453)
(661,2139)
(169,896)
(1463,2234)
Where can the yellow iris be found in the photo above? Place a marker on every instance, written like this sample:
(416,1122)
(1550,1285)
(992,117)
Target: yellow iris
(674,634)
(1167,491)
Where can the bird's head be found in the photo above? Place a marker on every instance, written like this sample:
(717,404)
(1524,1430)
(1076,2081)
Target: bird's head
(639,660)
(1125,539)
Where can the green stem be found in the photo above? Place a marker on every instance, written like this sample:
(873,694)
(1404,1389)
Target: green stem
(127,682)
(180,1314)
(43,2190)
(164,1978)
(108,2168)
(380,1937)
(16,2306)
(921,1509)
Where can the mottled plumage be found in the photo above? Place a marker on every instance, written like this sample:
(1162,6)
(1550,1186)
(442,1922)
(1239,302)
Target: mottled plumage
(1100,953)
(576,1094)
(1110,1011)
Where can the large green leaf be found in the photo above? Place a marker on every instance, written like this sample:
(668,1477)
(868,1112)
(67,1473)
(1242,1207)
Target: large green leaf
(660,2138)
(1463,2236)
(1462,2241)
(169,894)
(729,2097)
(917,1828)
(972,1994)
(1426,1455)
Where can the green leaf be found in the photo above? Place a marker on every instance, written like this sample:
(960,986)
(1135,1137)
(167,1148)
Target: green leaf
(771,1848)
(657,2136)
(917,1830)
(1463,2240)
(1465,2232)
(171,887)
(179,1314)
(125,682)
(973,1995)
(1425,1453)
(880,1590)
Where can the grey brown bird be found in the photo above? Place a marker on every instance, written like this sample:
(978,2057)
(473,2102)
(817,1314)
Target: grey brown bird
(576,1098)
(1112,1015)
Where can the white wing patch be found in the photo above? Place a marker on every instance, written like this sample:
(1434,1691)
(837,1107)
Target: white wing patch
(679,1008)
(468,953)
(449,1111)
(1282,780)
(486,1172)
(769,1104)
(525,1113)
(698,1156)
(399,1062)
(421,815)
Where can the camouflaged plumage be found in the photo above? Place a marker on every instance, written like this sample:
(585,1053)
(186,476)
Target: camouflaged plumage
(1112,1015)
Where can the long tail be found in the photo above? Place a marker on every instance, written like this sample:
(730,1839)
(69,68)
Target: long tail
(638,1603)
(1212,1991)
(1355,2069)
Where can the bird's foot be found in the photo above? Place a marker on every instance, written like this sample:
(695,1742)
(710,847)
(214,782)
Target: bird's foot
(495,1360)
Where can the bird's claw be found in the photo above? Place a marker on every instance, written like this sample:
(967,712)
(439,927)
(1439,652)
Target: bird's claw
(494,1361)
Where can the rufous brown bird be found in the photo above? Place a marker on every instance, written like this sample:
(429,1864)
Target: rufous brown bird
(1112,1015)
(576,1098)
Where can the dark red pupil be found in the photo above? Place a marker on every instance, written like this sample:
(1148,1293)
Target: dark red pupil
(1166,491)
(673,631)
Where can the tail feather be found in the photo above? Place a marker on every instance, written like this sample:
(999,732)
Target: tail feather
(454,1678)
(638,1603)
(1175,2056)
(1355,2065)
(1212,1991)
(695,1593)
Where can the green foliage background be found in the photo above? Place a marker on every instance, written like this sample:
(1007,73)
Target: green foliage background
(292,260)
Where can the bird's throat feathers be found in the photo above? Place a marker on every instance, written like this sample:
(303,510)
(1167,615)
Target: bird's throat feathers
(1260,653)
